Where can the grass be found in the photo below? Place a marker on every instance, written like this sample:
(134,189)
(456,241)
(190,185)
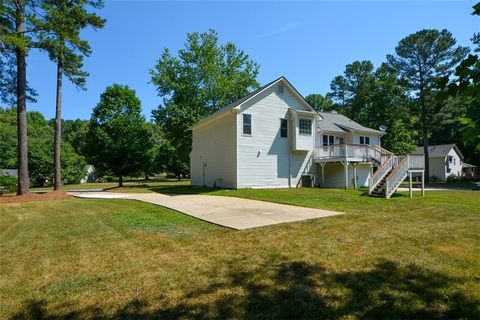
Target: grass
(109,259)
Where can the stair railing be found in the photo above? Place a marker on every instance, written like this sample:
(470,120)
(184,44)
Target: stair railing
(381,172)
(397,175)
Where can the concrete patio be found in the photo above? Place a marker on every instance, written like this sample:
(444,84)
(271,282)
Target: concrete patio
(230,212)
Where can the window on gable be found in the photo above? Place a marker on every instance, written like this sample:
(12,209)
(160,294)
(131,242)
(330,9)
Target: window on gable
(305,127)
(247,124)
(283,128)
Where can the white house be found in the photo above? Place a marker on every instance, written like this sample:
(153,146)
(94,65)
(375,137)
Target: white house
(444,160)
(273,138)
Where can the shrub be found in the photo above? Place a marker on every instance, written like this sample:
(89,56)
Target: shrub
(7,185)
(452,178)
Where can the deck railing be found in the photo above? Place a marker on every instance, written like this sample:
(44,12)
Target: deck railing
(354,151)
(400,171)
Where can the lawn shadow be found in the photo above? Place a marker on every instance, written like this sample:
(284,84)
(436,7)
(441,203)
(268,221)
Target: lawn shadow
(300,290)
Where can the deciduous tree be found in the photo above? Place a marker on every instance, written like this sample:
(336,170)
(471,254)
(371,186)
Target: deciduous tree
(202,78)
(118,140)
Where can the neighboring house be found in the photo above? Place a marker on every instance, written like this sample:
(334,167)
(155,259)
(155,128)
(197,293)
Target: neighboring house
(470,171)
(272,138)
(89,174)
(444,160)
(9,173)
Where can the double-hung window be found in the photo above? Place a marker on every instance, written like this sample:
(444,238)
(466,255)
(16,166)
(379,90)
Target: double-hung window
(364,140)
(283,128)
(247,124)
(305,127)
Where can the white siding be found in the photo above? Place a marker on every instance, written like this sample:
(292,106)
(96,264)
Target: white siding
(374,138)
(214,144)
(438,166)
(263,158)
(335,175)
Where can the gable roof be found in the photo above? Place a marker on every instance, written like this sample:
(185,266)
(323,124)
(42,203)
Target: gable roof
(249,96)
(440,150)
(337,122)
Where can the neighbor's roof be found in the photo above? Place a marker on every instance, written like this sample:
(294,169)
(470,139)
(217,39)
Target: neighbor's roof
(247,97)
(337,122)
(440,150)
(468,165)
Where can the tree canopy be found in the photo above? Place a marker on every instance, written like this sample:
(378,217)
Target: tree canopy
(202,78)
(118,140)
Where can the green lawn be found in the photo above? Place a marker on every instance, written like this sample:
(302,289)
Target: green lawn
(109,259)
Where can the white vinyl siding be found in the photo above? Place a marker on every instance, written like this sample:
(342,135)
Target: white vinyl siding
(264,161)
(214,145)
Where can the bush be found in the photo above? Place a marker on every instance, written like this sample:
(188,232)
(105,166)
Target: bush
(434,179)
(7,185)
(452,178)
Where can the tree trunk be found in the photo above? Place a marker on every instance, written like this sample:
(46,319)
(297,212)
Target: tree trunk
(120,181)
(58,131)
(23,179)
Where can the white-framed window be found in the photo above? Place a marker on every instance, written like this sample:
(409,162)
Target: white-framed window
(364,140)
(247,124)
(305,127)
(329,140)
(283,128)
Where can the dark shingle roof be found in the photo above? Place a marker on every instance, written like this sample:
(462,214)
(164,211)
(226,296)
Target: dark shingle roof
(339,123)
(440,150)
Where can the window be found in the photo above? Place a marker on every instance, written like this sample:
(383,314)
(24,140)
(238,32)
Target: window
(329,140)
(283,128)
(364,140)
(247,124)
(305,127)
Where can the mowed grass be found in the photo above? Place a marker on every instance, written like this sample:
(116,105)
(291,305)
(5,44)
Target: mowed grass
(109,259)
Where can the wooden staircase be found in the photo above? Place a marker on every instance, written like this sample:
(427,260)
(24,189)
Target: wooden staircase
(391,173)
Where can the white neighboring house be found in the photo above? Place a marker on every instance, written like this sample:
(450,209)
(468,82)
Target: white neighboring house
(9,173)
(444,160)
(89,175)
(272,138)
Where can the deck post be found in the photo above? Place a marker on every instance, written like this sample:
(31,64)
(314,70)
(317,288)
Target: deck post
(354,176)
(423,183)
(410,193)
(322,164)
(345,165)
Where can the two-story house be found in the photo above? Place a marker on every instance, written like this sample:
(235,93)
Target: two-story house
(272,138)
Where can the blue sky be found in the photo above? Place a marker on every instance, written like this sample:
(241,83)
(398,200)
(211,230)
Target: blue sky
(308,42)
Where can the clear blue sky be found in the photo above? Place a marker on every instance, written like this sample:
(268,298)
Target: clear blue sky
(308,42)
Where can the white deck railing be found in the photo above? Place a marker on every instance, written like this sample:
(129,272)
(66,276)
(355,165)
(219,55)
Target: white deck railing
(364,152)
(400,172)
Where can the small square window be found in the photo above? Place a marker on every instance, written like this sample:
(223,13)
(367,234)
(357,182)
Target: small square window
(283,128)
(247,124)
(305,127)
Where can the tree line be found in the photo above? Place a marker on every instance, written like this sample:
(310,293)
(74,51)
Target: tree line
(426,92)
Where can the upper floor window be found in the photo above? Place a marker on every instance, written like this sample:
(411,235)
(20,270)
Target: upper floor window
(305,127)
(247,124)
(283,128)
(364,140)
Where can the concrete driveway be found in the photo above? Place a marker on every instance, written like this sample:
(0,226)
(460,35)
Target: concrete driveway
(235,213)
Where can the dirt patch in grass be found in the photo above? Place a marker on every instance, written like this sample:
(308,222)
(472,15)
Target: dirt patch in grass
(54,195)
